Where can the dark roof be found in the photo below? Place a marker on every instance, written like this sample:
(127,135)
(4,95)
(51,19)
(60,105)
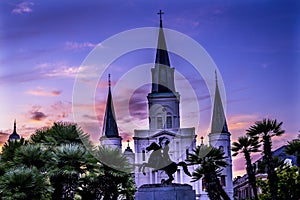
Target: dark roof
(110,128)
(219,124)
(162,56)
(14,135)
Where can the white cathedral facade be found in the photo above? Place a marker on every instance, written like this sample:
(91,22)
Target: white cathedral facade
(164,122)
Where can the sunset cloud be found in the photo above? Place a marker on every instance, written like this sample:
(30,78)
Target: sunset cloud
(24,7)
(44,92)
(36,114)
(57,69)
(77,45)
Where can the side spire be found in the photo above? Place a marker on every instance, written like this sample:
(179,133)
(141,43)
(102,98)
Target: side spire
(219,124)
(110,128)
(14,135)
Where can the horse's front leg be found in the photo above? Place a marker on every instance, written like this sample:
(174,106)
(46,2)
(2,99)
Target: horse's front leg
(141,166)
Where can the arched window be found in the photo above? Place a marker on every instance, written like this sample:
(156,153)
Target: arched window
(143,155)
(159,123)
(169,121)
(223,180)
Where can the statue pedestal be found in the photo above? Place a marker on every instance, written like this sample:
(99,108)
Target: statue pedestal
(165,192)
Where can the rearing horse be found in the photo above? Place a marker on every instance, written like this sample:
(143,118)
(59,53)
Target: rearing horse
(157,162)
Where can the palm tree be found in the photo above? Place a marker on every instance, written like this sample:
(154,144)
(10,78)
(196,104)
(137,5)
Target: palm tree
(293,148)
(71,161)
(24,183)
(9,148)
(267,129)
(116,179)
(61,133)
(33,155)
(247,146)
(211,161)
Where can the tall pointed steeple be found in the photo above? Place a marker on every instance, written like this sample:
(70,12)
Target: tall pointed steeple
(162,73)
(162,56)
(110,128)
(163,101)
(219,124)
(14,135)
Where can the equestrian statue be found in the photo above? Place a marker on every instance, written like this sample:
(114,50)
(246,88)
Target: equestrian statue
(159,159)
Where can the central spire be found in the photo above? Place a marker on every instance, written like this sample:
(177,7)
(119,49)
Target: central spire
(162,73)
(162,56)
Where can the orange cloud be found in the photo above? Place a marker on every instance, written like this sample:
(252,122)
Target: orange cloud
(44,92)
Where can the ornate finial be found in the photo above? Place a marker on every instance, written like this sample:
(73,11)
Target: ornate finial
(202,139)
(109,80)
(15,125)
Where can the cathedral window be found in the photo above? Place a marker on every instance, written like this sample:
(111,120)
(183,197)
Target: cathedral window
(187,153)
(169,122)
(223,180)
(159,123)
(143,155)
(203,185)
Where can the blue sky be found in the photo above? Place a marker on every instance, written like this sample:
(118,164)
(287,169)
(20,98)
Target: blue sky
(255,45)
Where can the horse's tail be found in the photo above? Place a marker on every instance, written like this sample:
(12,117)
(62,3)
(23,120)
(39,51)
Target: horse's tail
(185,169)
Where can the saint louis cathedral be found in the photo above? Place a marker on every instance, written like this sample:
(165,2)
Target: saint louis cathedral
(164,122)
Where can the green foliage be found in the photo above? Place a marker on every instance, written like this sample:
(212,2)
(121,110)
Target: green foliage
(266,129)
(24,183)
(9,148)
(293,148)
(60,133)
(60,162)
(288,184)
(247,145)
(211,161)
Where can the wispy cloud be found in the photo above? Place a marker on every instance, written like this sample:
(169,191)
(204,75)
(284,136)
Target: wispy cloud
(79,45)
(24,7)
(57,69)
(44,92)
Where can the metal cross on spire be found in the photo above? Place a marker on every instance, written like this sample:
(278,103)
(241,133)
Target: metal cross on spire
(160,13)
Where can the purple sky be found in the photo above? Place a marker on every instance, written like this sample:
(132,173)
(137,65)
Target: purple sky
(255,45)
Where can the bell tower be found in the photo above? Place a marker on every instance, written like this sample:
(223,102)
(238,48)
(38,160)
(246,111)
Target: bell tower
(219,137)
(163,100)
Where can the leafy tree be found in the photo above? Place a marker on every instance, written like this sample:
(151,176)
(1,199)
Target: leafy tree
(267,129)
(288,184)
(24,183)
(293,148)
(60,133)
(116,179)
(247,145)
(71,161)
(33,155)
(211,161)
(9,148)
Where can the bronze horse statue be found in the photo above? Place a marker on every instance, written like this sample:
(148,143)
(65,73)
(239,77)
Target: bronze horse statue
(161,161)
